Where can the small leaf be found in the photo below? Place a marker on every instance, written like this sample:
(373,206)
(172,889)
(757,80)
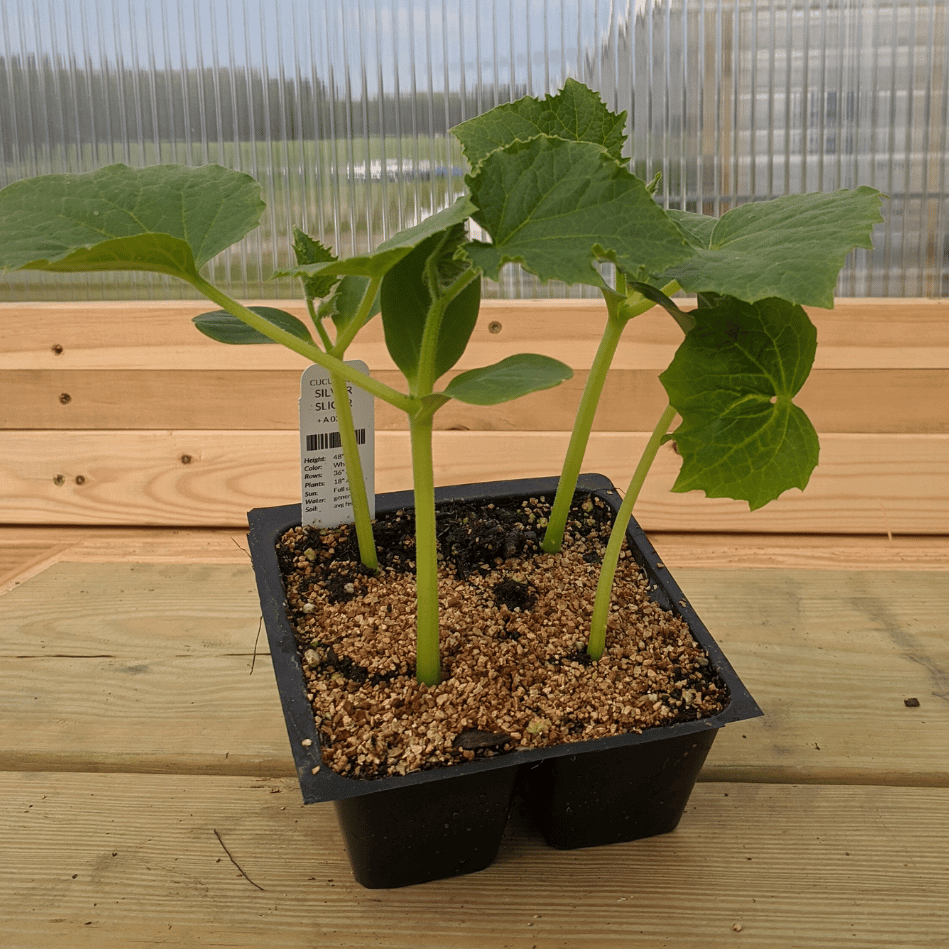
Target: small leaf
(306,250)
(407,298)
(342,307)
(732,381)
(556,207)
(389,252)
(792,247)
(508,379)
(224,327)
(165,218)
(654,294)
(576,114)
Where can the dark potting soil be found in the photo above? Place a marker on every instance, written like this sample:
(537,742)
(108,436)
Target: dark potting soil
(514,623)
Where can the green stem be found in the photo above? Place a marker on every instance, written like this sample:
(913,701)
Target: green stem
(620,309)
(362,315)
(427,665)
(601,605)
(354,474)
(318,323)
(582,426)
(426,375)
(307,350)
(347,432)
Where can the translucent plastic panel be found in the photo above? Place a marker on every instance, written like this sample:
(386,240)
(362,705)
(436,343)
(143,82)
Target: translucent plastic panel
(341,108)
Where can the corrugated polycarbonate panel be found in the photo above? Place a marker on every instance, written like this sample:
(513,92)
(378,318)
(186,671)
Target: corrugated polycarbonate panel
(342,109)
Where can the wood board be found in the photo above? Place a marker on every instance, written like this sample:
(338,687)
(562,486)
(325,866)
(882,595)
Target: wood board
(152,667)
(134,860)
(864,484)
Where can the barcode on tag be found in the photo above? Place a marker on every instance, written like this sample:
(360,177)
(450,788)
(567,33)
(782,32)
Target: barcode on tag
(326,441)
(325,489)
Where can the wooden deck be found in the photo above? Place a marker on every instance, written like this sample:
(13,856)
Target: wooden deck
(146,790)
(148,797)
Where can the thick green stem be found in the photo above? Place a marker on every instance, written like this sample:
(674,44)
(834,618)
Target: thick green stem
(427,662)
(308,350)
(427,665)
(604,589)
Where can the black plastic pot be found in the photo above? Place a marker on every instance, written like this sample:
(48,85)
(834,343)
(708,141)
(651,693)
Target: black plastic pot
(434,824)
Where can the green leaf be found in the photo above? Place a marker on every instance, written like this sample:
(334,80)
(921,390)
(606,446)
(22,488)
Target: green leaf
(683,318)
(306,250)
(792,247)
(508,379)
(165,218)
(407,296)
(389,252)
(696,227)
(342,307)
(227,328)
(732,381)
(576,114)
(556,207)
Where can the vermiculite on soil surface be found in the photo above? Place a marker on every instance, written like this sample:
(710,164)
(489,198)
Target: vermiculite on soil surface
(514,624)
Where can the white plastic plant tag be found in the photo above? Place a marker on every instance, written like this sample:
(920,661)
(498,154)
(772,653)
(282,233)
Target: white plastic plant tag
(326,500)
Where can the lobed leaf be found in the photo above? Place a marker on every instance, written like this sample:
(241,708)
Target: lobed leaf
(576,113)
(224,327)
(732,381)
(165,218)
(792,247)
(508,379)
(556,207)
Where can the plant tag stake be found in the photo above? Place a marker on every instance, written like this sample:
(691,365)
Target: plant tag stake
(326,500)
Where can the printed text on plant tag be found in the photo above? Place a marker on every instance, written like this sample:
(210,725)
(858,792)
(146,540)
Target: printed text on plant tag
(326,500)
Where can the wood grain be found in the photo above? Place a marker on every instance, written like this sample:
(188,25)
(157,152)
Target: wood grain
(870,484)
(130,860)
(148,667)
(856,334)
(836,400)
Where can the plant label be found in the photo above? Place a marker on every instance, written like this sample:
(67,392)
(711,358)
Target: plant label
(326,501)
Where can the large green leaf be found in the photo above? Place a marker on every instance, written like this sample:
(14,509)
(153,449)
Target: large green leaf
(389,252)
(407,296)
(508,379)
(165,218)
(732,381)
(792,247)
(226,328)
(556,207)
(576,114)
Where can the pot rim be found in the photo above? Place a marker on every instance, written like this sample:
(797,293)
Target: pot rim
(320,783)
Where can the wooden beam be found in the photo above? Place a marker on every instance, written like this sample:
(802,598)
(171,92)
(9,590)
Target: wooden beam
(865,484)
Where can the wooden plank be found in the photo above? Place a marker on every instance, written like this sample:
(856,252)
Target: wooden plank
(20,561)
(836,400)
(130,860)
(871,484)
(745,551)
(856,334)
(134,667)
